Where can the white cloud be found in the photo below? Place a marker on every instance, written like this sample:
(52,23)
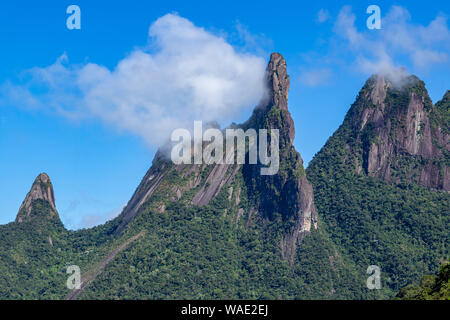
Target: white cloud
(258,43)
(323,15)
(184,74)
(399,41)
(315,77)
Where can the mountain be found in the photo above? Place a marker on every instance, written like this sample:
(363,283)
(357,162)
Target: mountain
(28,245)
(287,193)
(381,181)
(41,192)
(196,230)
(376,194)
(225,230)
(398,134)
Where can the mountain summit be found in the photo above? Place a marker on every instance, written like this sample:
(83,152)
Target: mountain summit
(225,230)
(41,190)
(289,192)
(286,195)
(397,134)
(380,181)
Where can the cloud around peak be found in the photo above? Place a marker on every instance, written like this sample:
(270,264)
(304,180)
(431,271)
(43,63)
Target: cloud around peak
(399,45)
(184,73)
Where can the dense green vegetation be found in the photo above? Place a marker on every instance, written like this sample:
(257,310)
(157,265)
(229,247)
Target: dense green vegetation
(443,108)
(231,247)
(430,288)
(399,226)
(403,229)
(28,262)
(210,253)
(186,252)
(34,254)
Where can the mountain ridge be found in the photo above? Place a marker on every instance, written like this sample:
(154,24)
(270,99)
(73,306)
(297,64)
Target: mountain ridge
(226,231)
(271,113)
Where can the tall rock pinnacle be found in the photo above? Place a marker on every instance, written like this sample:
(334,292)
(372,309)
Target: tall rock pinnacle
(41,189)
(289,192)
(278,80)
(285,197)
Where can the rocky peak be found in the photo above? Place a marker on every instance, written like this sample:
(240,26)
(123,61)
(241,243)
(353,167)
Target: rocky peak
(398,130)
(379,88)
(272,111)
(278,81)
(289,192)
(286,196)
(41,189)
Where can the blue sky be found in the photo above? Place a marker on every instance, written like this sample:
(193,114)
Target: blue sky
(96,162)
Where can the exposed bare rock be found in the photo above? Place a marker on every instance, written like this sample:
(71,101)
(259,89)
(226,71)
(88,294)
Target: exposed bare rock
(278,80)
(239,214)
(287,193)
(400,133)
(238,196)
(212,185)
(178,192)
(146,188)
(230,193)
(220,175)
(41,189)
(307,219)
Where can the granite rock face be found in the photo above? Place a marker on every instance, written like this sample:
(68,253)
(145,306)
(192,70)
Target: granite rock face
(287,193)
(41,189)
(399,135)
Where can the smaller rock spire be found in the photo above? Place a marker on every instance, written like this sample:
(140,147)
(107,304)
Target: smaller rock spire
(41,189)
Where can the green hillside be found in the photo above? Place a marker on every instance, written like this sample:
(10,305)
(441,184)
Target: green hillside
(376,194)
(430,288)
(397,225)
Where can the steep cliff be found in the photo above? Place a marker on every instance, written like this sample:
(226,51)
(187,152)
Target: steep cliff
(41,190)
(287,193)
(397,134)
(381,181)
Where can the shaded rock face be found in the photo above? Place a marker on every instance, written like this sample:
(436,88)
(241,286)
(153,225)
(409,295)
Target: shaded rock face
(400,134)
(41,189)
(287,194)
(145,190)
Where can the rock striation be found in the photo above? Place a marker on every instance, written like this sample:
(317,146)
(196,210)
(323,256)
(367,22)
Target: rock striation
(288,193)
(41,189)
(398,134)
